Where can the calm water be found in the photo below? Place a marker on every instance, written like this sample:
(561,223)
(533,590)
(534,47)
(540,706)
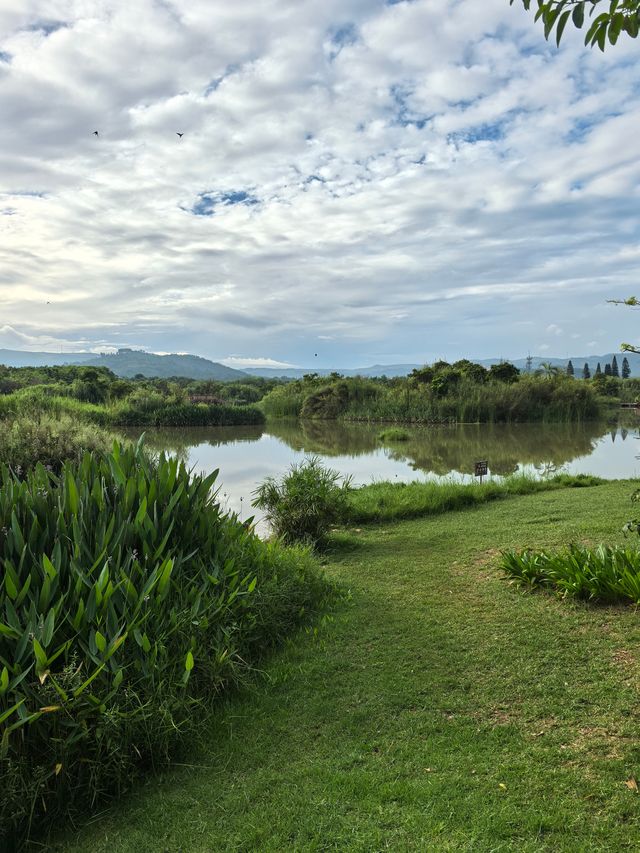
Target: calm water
(246,455)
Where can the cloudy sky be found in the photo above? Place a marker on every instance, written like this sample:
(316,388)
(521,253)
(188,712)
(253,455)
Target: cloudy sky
(371,181)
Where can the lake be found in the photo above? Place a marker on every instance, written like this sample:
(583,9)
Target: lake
(246,455)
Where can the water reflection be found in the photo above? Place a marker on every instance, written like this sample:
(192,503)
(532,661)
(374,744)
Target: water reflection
(441,450)
(246,455)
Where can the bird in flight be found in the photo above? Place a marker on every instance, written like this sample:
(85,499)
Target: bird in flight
(179,134)
(95,133)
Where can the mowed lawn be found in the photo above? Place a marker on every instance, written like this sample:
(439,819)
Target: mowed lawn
(440,709)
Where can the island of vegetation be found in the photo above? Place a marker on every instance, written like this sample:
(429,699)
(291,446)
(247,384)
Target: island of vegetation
(462,392)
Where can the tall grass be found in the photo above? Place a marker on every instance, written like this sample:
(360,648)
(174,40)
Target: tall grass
(150,410)
(381,502)
(529,398)
(128,602)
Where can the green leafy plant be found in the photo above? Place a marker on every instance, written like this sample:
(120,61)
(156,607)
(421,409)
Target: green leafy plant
(305,502)
(603,574)
(128,601)
(622,16)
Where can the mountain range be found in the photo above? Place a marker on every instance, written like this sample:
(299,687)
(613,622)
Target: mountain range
(130,363)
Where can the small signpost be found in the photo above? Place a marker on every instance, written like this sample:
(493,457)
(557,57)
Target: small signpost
(482,469)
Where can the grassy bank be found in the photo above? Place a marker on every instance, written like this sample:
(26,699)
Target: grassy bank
(151,410)
(441,710)
(382,502)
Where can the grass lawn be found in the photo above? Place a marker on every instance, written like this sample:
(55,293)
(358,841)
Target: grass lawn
(441,709)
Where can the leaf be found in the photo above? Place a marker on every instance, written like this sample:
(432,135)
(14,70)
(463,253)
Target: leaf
(631,784)
(47,632)
(73,499)
(101,642)
(189,662)
(40,654)
(578,15)
(58,768)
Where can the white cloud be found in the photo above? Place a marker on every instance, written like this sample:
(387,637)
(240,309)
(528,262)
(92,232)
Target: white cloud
(239,362)
(406,175)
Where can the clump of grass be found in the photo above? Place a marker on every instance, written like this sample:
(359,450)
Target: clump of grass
(380,502)
(604,574)
(394,434)
(303,505)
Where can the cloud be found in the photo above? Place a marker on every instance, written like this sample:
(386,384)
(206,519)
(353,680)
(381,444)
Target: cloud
(413,176)
(240,362)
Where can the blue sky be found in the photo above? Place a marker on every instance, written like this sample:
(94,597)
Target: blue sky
(368,181)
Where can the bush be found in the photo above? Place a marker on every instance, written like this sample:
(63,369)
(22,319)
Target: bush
(129,601)
(305,503)
(28,440)
(604,573)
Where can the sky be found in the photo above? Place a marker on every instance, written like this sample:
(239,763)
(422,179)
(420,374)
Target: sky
(359,182)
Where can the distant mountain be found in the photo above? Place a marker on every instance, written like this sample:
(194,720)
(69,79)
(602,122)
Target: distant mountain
(391,370)
(20,358)
(130,363)
(298,372)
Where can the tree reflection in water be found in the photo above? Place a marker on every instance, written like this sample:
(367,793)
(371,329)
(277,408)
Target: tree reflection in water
(436,450)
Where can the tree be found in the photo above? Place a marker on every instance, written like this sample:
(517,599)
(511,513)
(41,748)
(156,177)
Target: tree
(607,369)
(622,16)
(626,370)
(614,367)
(586,373)
(598,370)
(548,370)
(570,370)
(504,372)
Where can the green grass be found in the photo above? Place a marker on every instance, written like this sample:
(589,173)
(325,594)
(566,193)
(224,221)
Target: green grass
(442,709)
(382,502)
(394,434)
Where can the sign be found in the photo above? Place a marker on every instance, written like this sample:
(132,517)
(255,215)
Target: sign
(482,469)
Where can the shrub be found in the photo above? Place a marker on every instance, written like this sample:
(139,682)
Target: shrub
(305,502)
(128,602)
(28,440)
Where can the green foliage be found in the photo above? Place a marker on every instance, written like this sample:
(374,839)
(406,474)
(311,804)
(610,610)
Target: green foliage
(128,601)
(305,502)
(439,394)
(621,16)
(394,434)
(25,441)
(605,574)
(382,502)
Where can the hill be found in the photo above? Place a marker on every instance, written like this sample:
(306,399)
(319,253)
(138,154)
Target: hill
(130,363)
(21,358)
